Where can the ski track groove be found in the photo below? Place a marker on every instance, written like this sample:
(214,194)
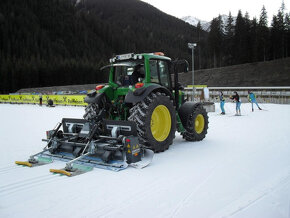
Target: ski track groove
(250,198)
(110,209)
(260,195)
(187,197)
(7,169)
(6,172)
(22,181)
(26,184)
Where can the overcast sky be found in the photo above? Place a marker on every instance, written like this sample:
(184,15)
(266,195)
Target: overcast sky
(208,9)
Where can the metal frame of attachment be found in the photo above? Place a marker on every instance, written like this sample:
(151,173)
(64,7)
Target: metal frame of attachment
(31,158)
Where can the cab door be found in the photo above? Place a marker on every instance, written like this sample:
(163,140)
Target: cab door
(160,74)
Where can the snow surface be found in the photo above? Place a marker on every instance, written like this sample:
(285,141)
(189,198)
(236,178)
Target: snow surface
(241,169)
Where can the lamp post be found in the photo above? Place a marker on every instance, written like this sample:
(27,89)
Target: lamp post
(191,46)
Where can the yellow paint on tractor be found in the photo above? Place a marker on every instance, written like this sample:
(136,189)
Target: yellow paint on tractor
(160,123)
(23,163)
(199,123)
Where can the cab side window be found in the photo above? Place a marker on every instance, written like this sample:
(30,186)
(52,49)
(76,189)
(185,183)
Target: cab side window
(159,72)
(163,71)
(154,71)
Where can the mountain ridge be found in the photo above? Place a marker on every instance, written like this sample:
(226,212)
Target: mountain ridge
(205,25)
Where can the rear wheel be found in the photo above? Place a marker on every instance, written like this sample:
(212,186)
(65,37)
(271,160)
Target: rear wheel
(197,125)
(156,121)
(93,109)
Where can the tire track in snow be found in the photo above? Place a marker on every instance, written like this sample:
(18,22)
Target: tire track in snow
(26,184)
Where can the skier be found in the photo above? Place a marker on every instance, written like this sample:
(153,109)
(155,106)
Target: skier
(222,103)
(40,99)
(252,99)
(236,97)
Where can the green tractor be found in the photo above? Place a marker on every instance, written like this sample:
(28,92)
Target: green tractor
(141,89)
(135,114)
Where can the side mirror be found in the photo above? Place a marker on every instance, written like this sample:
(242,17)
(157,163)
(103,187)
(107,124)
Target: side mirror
(179,86)
(180,66)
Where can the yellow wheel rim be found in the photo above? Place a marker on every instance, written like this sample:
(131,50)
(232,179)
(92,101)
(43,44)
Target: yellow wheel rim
(160,123)
(199,123)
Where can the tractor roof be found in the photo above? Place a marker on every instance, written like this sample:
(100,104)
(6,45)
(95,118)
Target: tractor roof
(132,56)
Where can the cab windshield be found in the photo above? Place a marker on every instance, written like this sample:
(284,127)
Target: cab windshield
(129,73)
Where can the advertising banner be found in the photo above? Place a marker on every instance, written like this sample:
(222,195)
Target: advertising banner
(76,100)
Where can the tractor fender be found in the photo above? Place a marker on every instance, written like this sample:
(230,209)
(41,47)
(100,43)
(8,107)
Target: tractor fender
(185,110)
(94,97)
(139,94)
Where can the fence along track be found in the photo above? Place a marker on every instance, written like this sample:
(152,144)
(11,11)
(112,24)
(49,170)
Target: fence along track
(276,95)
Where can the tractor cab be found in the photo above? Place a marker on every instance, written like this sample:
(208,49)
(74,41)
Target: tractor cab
(128,70)
(128,73)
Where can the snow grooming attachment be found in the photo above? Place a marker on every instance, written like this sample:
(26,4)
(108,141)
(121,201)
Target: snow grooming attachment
(85,145)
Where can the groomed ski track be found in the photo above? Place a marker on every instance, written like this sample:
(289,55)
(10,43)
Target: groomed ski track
(241,169)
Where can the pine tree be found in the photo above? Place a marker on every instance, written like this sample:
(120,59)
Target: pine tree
(281,29)
(241,39)
(199,31)
(275,38)
(254,40)
(279,34)
(287,22)
(229,40)
(263,35)
(215,39)
(247,53)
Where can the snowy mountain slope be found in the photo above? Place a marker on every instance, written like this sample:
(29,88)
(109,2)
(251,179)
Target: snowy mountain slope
(205,24)
(194,21)
(241,169)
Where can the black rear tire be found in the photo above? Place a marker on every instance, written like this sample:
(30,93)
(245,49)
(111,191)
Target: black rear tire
(196,131)
(141,113)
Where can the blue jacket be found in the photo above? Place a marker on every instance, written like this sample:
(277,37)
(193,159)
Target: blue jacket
(252,97)
(222,98)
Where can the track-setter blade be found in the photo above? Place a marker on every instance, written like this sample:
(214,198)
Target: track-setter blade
(76,170)
(39,162)
(23,163)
